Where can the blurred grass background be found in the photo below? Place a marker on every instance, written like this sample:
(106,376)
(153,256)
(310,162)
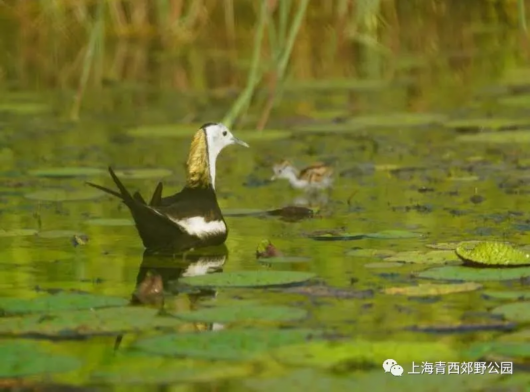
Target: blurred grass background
(242,51)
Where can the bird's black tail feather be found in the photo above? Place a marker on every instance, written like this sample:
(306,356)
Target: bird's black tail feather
(123,194)
(156,199)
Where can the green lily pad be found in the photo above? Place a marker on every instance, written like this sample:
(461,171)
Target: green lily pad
(148,369)
(504,137)
(516,311)
(87,322)
(67,172)
(58,233)
(243,313)
(164,130)
(143,173)
(422,257)
(284,259)
(363,352)
(24,358)
(238,345)
(243,212)
(110,222)
(248,279)
(493,253)
(17,232)
(486,123)
(423,290)
(462,273)
(338,237)
(393,234)
(24,108)
(59,302)
(507,295)
(64,195)
(380,253)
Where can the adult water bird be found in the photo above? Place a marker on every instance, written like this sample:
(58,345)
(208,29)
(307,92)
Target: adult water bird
(191,218)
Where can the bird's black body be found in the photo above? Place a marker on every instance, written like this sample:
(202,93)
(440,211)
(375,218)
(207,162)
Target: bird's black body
(157,222)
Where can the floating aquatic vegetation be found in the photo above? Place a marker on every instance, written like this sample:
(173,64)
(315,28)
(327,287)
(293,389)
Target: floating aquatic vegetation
(504,137)
(86,322)
(18,232)
(59,195)
(266,249)
(507,295)
(428,289)
(110,222)
(367,252)
(59,302)
(65,172)
(238,345)
(58,234)
(248,279)
(243,313)
(489,123)
(25,358)
(148,369)
(492,254)
(424,257)
(237,212)
(138,174)
(515,311)
(462,273)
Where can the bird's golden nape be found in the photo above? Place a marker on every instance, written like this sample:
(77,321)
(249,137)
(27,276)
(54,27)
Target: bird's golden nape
(197,165)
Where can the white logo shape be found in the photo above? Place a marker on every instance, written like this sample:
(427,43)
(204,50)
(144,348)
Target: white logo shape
(396,370)
(387,365)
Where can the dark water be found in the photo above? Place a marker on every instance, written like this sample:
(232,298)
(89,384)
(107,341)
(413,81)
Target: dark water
(428,177)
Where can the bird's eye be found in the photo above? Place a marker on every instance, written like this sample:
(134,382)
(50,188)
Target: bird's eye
(224,133)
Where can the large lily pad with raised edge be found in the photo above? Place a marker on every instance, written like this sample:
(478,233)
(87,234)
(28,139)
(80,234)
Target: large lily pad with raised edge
(375,380)
(238,345)
(423,257)
(143,173)
(110,222)
(67,172)
(17,232)
(516,311)
(504,137)
(363,353)
(87,322)
(507,295)
(248,279)
(148,369)
(393,234)
(462,273)
(59,302)
(243,313)
(25,358)
(59,195)
(493,254)
(489,123)
(423,290)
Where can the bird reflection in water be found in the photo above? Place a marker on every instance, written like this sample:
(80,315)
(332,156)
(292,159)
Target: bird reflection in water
(157,283)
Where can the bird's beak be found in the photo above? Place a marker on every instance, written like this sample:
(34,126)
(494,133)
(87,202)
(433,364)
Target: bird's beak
(240,142)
